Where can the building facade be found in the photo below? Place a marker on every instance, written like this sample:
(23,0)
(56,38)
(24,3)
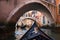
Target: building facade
(58,11)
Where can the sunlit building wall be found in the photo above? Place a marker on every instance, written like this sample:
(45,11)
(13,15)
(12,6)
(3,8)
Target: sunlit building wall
(38,16)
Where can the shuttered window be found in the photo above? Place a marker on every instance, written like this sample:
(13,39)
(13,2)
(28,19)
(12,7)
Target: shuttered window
(59,8)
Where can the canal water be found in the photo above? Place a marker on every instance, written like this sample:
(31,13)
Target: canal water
(49,32)
(55,36)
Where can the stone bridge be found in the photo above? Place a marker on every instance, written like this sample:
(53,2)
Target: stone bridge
(46,7)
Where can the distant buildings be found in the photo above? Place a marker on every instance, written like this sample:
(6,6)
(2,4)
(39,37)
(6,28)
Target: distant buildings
(38,15)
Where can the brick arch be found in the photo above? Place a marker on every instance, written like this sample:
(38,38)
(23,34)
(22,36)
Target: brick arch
(12,19)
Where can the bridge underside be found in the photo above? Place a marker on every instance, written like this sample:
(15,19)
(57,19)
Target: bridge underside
(29,7)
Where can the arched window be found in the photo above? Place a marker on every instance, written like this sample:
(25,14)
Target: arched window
(34,11)
(43,19)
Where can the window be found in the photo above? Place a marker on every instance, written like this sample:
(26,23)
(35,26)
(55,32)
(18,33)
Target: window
(7,0)
(59,8)
(48,0)
(48,22)
(53,1)
(34,11)
(43,19)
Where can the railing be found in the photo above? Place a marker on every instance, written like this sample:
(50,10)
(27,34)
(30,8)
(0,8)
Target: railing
(50,1)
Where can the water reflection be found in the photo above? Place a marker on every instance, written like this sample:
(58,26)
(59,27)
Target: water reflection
(47,31)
